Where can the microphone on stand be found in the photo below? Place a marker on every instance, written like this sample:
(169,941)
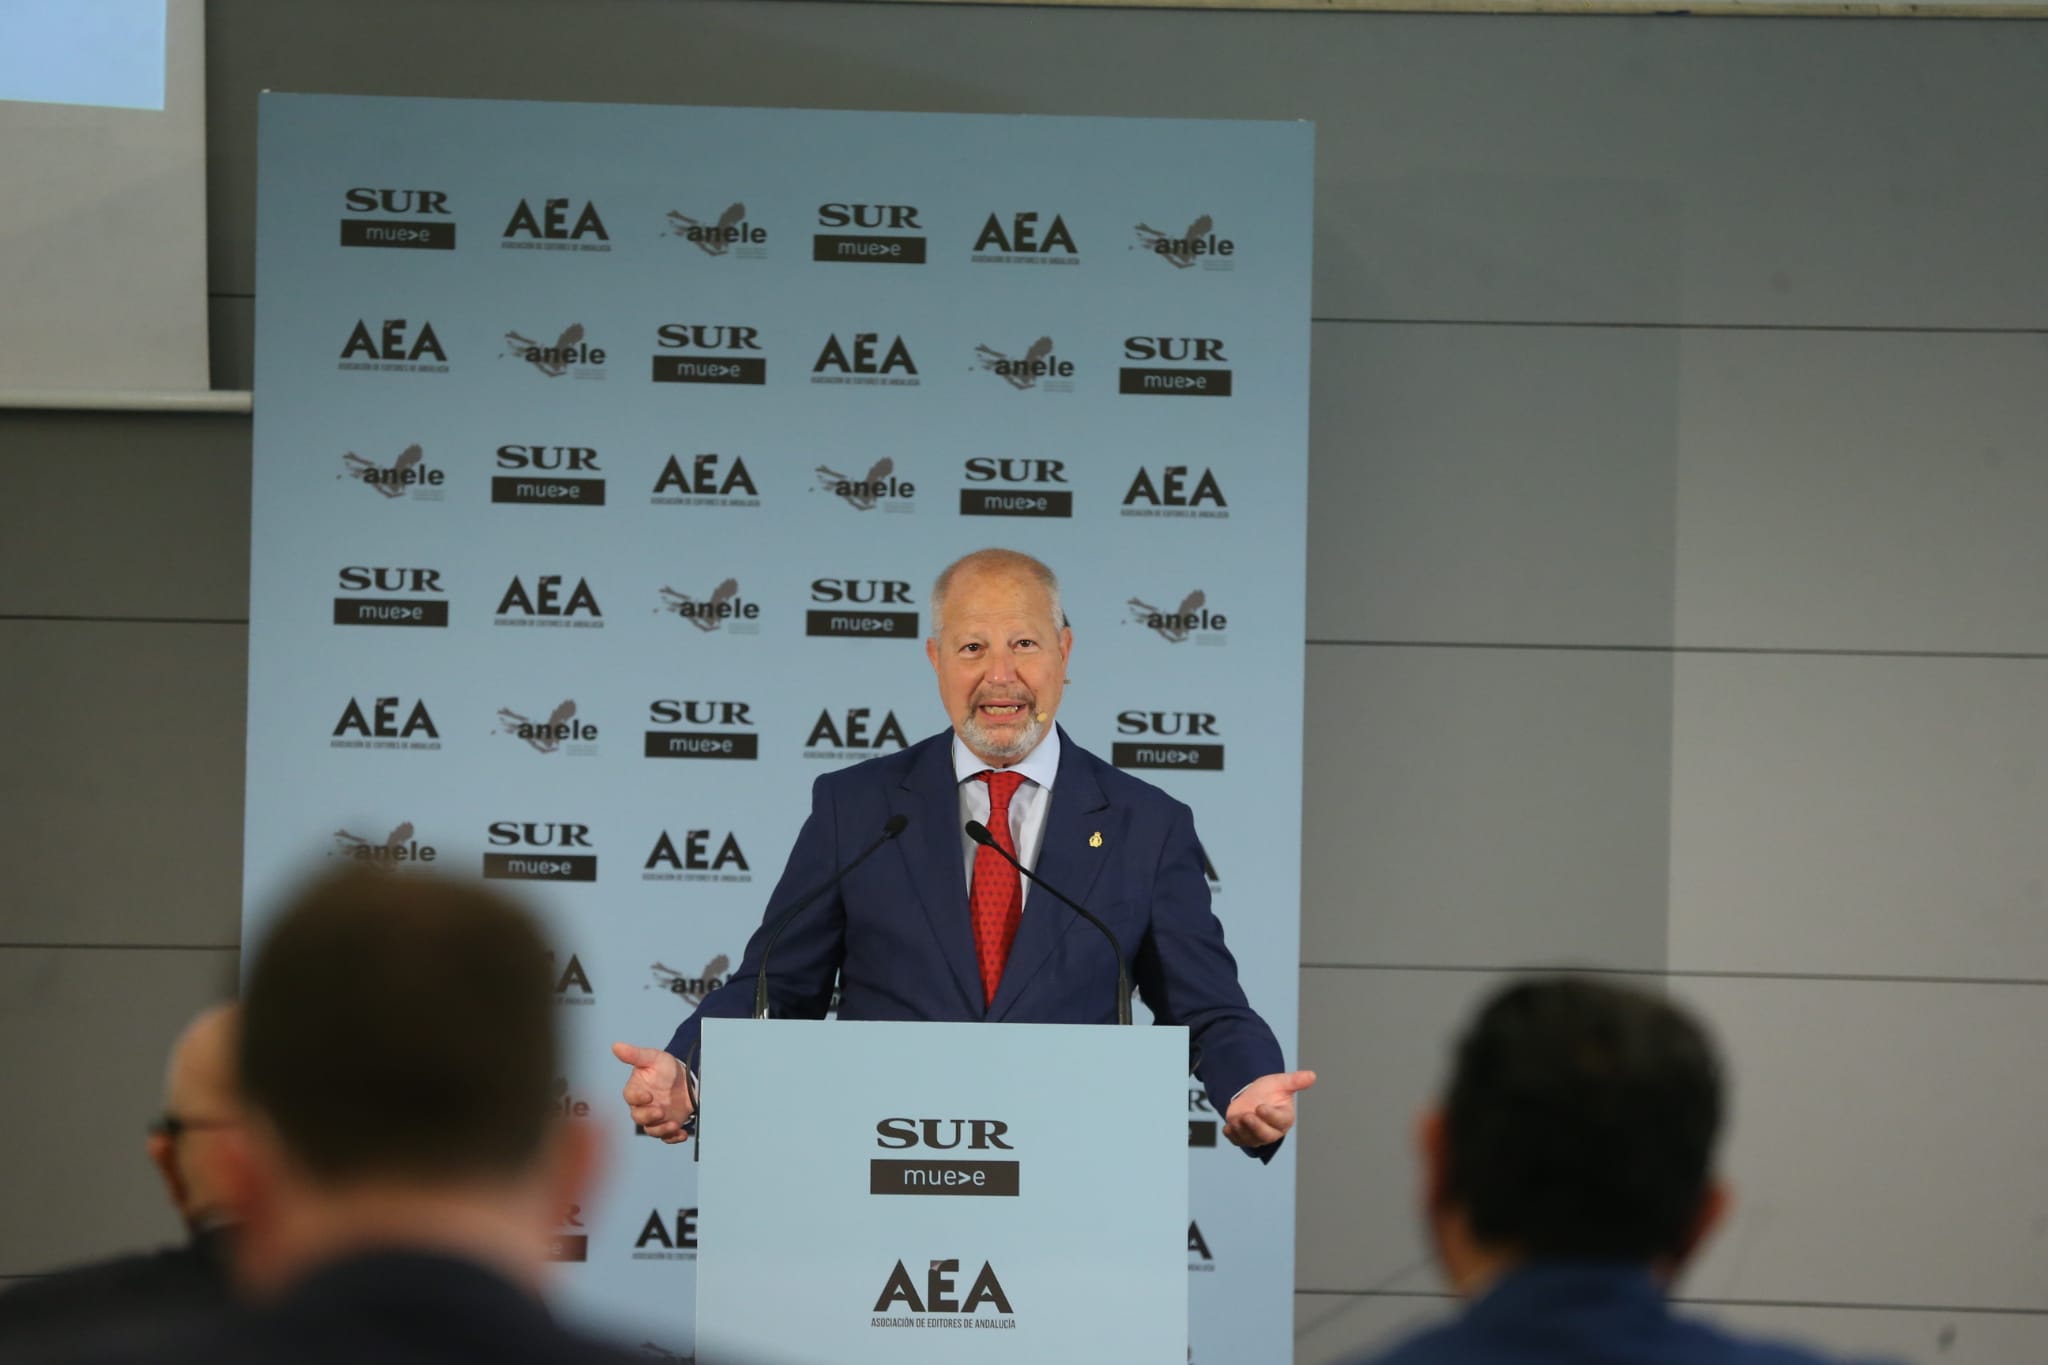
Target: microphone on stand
(978,832)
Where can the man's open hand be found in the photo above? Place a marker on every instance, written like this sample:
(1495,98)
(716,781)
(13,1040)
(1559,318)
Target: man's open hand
(1264,1110)
(658,1092)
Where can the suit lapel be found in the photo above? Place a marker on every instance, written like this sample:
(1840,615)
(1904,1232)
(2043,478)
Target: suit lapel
(1065,860)
(937,866)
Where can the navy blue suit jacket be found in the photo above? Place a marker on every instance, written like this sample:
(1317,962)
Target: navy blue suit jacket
(897,939)
(1584,1313)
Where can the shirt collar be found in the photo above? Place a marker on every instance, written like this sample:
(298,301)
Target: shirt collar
(1546,1288)
(1040,766)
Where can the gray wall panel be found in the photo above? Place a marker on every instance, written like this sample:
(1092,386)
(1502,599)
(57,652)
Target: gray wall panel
(1481,807)
(124,790)
(1853,815)
(86,1032)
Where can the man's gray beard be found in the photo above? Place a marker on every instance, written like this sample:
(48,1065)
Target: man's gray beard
(987,746)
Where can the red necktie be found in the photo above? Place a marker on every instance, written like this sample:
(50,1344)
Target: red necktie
(996,900)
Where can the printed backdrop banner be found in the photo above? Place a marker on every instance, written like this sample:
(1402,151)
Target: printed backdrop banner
(604,459)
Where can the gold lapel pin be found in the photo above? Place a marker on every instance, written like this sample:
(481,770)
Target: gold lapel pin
(1095,839)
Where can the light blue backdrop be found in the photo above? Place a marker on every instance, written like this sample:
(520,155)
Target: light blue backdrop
(379,452)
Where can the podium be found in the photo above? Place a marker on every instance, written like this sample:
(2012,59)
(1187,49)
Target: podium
(947,1192)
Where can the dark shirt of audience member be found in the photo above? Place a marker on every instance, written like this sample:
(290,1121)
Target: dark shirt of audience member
(189,1145)
(399,1190)
(1568,1177)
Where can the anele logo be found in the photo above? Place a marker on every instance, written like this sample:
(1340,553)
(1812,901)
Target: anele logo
(889,234)
(931,1175)
(1199,1257)
(570,1242)
(693,988)
(853,734)
(1037,370)
(714,353)
(1026,240)
(1019,488)
(385,724)
(696,855)
(405,474)
(553,228)
(560,733)
(1191,620)
(537,854)
(406,597)
(572,983)
(853,611)
(548,605)
(1167,739)
(1169,375)
(731,235)
(1203,1125)
(866,360)
(663,1240)
(553,476)
(939,1288)
(570,354)
(1199,245)
(416,219)
(708,481)
(723,610)
(878,488)
(1176,492)
(566,1105)
(394,346)
(701,729)
(399,846)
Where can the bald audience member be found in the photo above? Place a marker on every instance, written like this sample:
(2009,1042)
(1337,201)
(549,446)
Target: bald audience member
(189,1145)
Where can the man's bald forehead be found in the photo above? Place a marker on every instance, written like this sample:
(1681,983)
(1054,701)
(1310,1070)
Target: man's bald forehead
(201,1071)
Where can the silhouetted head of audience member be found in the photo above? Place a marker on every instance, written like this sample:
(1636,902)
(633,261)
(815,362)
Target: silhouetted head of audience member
(190,1143)
(1579,1124)
(399,1058)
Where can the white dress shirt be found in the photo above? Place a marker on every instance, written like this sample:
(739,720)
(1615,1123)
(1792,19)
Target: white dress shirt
(1027,807)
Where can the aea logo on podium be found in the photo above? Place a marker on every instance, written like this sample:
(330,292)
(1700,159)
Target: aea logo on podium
(555,225)
(393,346)
(729,236)
(417,220)
(406,476)
(667,1239)
(938,1299)
(386,723)
(398,847)
(709,480)
(562,732)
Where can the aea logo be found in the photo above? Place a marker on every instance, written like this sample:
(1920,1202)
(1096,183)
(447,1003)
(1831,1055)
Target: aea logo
(939,1288)
(550,476)
(1036,370)
(539,851)
(1176,491)
(854,610)
(729,236)
(549,604)
(1170,373)
(572,982)
(404,597)
(1198,245)
(570,354)
(399,846)
(560,733)
(712,353)
(556,226)
(689,728)
(406,475)
(1016,488)
(1191,620)
(661,1239)
(871,234)
(1203,1126)
(709,480)
(418,220)
(969,1168)
(1200,1258)
(723,609)
(696,855)
(386,723)
(692,988)
(854,733)
(866,360)
(879,487)
(1026,240)
(394,346)
(1167,739)
(570,1241)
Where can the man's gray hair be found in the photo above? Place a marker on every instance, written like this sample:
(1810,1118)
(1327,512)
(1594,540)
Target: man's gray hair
(997,561)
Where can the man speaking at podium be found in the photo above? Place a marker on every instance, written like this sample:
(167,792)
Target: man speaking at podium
(942,927)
